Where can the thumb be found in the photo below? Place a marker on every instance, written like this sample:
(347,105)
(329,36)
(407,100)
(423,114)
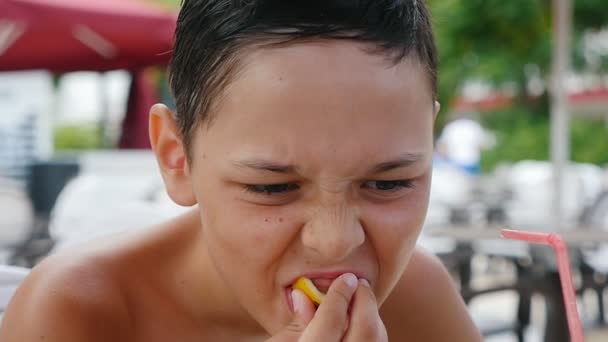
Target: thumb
(304,311)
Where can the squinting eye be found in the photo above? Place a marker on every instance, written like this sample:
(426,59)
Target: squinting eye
(270,189)
(388,185)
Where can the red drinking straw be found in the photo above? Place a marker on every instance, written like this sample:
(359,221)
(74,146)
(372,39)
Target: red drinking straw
(563,265)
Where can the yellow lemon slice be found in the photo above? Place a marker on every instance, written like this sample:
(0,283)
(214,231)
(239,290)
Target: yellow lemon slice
(310,290)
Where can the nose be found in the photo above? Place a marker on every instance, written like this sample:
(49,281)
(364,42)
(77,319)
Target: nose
(332,233)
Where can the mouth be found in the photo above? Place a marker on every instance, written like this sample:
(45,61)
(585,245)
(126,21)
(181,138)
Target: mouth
(318,283)
(309,289)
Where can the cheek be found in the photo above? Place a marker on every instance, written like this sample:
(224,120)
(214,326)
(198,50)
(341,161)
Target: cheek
(406,214)
(245,236)
(246,250)
(395,234)
(239,234)
(393,231)
(394,228)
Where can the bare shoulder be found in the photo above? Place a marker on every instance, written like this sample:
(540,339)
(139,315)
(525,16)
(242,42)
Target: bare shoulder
(68,297)
(87,292)
(426,306)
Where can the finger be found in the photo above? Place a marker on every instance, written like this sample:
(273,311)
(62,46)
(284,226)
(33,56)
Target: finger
(304,310)
(365,322)
(330,320)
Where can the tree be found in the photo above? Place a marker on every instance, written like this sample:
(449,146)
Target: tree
(503,41)
(507,43)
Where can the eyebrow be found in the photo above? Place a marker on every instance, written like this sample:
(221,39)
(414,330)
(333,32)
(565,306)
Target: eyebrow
(265,165)
(403,160)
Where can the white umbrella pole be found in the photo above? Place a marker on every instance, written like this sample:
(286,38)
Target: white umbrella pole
(560,132)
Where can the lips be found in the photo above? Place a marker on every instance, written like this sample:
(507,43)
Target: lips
(322,285)
(321,280)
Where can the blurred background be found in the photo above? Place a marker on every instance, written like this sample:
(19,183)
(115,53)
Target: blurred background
(521,142)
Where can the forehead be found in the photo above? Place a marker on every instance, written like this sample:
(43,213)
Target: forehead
(312,62)
(309,96)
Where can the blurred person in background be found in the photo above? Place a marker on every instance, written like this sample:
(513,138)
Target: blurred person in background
(461,143)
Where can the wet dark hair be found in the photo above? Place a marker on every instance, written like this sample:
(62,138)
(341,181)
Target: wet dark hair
(213,35)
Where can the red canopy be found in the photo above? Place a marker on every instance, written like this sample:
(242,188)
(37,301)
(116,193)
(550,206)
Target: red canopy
(70,35)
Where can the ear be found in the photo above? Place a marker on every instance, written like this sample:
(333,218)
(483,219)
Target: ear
(437,109)
(170,154)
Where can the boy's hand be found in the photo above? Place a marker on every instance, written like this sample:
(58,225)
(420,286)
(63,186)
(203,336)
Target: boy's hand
(331,321)
(365,322)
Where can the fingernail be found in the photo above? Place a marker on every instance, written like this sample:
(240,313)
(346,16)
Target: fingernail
(298,301)
(364,282)
(350,280)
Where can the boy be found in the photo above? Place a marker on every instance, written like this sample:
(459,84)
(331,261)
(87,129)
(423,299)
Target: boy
(303,141)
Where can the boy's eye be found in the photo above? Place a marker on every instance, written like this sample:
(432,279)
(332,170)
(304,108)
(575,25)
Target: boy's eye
(388,186)
(380,186)
(270,189)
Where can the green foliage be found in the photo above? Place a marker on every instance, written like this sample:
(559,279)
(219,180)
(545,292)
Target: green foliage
(524,135)
(77,137)
(495,40)
(520,135)
(590,14)
(589,140)
(491,40)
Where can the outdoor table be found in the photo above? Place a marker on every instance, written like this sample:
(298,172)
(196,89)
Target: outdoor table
(548,283)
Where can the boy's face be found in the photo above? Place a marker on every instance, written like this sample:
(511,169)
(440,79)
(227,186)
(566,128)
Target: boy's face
(338,143)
